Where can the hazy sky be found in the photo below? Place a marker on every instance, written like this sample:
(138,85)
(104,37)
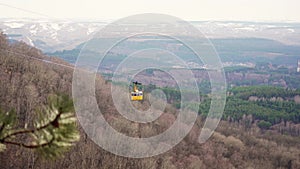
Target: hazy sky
(243,10)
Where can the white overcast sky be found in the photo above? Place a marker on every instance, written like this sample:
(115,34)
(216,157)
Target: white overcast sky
(240,10)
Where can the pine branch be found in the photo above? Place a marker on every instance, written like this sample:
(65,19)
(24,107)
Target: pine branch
(54,133)
(22,131)
(2,127)
(29,146)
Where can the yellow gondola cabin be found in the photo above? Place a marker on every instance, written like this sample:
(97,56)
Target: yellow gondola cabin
(136,94)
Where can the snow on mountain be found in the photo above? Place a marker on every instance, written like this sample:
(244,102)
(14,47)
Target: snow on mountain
(13,25)
(91,30)
(49,35)
(53,35)
(29,41)
(282,32)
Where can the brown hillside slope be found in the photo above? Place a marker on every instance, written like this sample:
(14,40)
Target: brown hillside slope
(25,84)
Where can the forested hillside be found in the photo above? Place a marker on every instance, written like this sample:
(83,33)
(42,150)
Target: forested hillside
(26,83)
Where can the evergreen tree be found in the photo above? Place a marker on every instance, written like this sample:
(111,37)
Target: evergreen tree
(53,132)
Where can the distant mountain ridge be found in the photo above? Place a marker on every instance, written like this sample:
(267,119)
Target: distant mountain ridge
(49,35)
(233,50)
(54,35)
